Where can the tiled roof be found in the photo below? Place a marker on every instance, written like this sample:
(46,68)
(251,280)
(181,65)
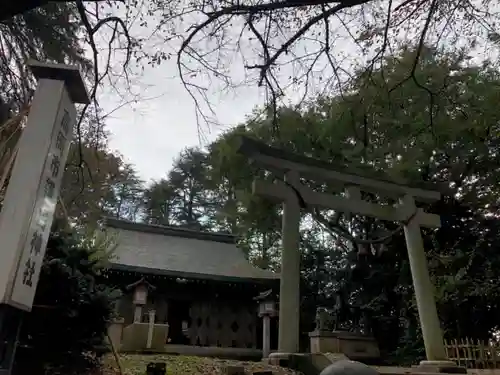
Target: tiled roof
(180,252)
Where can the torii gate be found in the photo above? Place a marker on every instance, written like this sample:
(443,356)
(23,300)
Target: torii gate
(291,192)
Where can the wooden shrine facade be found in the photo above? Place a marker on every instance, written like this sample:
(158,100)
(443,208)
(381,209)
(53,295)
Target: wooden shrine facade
(197,283)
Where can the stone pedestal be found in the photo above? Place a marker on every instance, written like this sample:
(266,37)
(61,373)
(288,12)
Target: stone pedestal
(115,333)
(135,337)
(279,359)
(448,367)
(353,345)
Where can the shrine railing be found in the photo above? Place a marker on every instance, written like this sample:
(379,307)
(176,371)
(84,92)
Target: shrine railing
(474,353)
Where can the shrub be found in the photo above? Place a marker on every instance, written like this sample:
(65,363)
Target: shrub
(71,311)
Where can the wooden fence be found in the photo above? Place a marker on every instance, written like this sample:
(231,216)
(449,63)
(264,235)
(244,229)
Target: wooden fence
(474,354)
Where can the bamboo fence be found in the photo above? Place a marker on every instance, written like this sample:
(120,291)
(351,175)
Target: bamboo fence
(473,353)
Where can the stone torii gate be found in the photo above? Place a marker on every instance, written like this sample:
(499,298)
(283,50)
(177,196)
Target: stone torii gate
(292,193)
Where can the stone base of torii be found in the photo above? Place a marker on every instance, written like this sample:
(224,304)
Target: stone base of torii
(294,195)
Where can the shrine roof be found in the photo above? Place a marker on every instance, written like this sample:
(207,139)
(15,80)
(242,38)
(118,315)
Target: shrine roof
(172,251)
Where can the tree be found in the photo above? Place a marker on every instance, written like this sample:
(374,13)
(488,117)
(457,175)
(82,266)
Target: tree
(17,8)
(159,202)
(182,198)
(103,185)
(450,137)
(71,311)
(96,182)
(254,220)
(407,134)
(299,49)
(125,195)
(47,33)
(188,177)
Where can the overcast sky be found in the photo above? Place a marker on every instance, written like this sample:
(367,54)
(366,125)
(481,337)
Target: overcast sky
(151,133)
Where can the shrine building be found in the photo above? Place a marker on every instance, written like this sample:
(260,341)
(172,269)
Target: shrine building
(185,291)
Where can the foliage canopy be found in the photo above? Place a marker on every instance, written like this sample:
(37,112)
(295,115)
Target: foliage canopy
(367,128)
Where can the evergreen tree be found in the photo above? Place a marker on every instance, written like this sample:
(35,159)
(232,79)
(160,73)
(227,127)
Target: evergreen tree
(65,331)
(49,34)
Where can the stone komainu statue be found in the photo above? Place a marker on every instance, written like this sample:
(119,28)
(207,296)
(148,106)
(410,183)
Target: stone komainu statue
(342,317)
(324,320)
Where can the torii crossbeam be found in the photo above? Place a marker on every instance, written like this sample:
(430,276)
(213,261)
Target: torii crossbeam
(291,192)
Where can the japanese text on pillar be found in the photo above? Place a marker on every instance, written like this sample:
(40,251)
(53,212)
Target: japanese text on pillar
(46,207)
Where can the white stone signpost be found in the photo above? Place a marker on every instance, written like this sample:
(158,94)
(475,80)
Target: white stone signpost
(31,196)
(293,194)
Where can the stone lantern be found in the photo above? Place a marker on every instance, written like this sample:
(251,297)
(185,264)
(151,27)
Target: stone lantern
(141,290)
(267,309)
(140,294)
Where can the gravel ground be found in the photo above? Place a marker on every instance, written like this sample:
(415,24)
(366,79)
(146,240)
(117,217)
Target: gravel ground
(135,364)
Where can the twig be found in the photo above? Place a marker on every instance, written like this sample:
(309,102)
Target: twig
(115,354)
(91,31)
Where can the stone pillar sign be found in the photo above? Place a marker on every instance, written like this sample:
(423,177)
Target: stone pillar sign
(31,195)
(33,189)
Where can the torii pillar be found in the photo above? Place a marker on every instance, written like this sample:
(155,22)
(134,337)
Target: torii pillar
(289,303)
(424,292)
